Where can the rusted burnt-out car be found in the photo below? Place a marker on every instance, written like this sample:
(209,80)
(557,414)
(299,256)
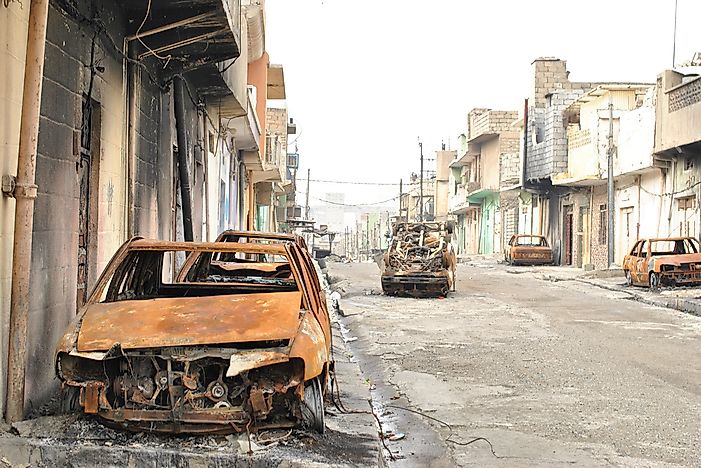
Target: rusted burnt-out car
(660,262)
(420,260)
(261,237)
(230,344)
(528,249)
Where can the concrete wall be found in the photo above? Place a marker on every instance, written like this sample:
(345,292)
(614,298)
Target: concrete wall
(443,175)
(636,139)
(489,158)
(13,41)
(678,110)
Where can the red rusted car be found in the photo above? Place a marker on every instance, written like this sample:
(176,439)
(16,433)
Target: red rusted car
(657,262)
(230,343)
(528,249)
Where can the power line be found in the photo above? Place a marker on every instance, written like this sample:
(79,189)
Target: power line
(349,182)
(396,197)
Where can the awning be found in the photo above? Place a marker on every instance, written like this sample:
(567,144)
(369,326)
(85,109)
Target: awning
(479,195)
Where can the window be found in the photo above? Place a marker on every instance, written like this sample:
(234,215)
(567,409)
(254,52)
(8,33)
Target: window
(688,163)
(686,203)
(603,224)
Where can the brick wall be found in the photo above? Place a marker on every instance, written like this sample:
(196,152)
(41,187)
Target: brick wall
(547,134)
(509,159)
(484,121)
(599,250)
(276,126)
(55,255)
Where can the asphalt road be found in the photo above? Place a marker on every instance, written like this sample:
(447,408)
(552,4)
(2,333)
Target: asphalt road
(551,372)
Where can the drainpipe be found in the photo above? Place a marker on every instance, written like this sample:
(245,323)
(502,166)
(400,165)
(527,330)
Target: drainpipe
(184,172)
(203,147)
(525,147)
(251,203)
(25,192)
(671,197)
(132,87)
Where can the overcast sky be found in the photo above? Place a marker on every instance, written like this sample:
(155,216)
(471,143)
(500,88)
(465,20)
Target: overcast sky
(365,78)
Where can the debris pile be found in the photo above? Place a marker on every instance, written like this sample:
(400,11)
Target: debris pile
(417,248)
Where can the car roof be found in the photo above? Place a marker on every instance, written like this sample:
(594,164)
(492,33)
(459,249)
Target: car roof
(668,238)
(160,245)
(258,235)
(529,235)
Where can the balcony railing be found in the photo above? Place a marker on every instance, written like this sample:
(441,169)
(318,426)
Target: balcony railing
(473,186)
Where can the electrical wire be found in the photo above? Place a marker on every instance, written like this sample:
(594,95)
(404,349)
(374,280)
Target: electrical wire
(338,403)
(349,182)
(138,36)
(668,194)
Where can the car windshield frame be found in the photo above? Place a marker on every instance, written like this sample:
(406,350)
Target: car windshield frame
(680,246)
(152,282)
(541,241)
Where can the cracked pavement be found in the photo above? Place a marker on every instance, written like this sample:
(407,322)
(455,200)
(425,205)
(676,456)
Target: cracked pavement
(551,372)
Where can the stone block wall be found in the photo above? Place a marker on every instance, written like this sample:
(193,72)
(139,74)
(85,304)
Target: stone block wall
(509,159)
(599,249)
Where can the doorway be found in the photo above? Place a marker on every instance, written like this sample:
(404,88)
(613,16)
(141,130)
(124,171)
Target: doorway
(567,235)
(88,173)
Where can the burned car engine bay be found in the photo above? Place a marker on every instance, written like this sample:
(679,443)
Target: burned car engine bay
(193,384)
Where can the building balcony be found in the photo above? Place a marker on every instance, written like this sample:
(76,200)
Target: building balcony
(473,186)
(678,111)
(484,124)
(248,132)
(180,33)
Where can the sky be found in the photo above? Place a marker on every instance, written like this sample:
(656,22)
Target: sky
(365,79)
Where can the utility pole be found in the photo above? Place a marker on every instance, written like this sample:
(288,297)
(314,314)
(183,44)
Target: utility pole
(367,237)
(306,204)
(674,41)
(400,199)
(421,184)
(611,201)
(357,239)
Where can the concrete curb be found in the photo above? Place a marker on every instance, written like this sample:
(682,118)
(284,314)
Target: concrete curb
(688,306)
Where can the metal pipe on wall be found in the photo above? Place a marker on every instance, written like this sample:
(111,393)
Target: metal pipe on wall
(184,172)
(25,192)
(203,148)
(132,112)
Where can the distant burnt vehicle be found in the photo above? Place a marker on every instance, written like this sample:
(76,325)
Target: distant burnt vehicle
(528,249)
(657,262)
(420,260)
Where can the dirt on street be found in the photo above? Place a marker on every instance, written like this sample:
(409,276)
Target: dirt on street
(550,370)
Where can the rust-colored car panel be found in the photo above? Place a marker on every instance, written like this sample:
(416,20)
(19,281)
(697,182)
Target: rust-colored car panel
(221,348)
(420,260)
(190,321)
(528,249)
(668,261)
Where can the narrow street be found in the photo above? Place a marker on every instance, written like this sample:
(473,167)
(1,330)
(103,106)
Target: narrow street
(550,370)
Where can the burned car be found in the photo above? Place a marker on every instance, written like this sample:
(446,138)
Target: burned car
(528,249)
(420,260)
(261,237)
(229,344)
(658,262)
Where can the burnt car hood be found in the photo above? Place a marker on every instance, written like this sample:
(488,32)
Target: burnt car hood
(189,321)
(678,259)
